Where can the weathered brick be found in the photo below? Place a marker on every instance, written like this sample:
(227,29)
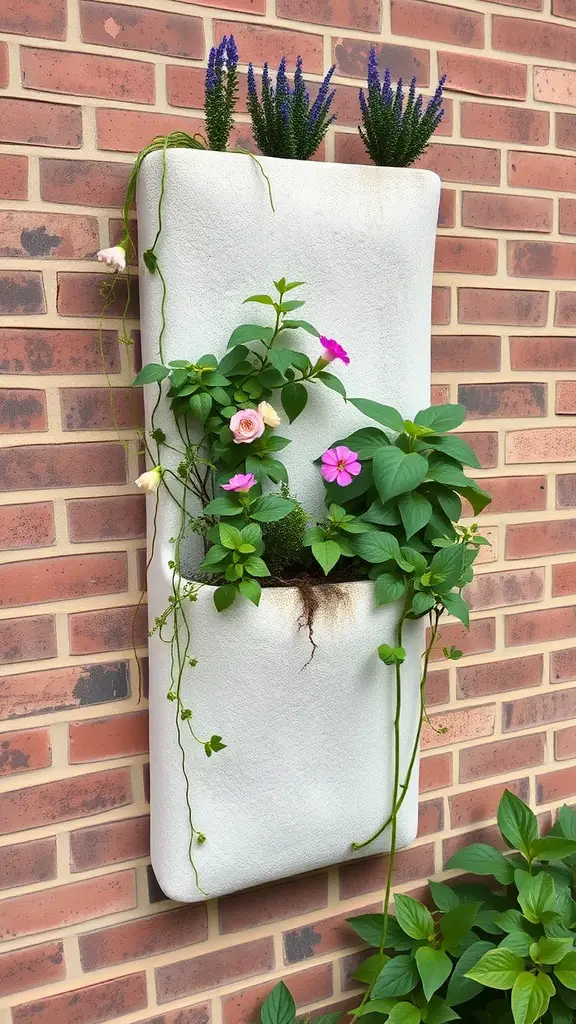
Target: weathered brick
(541,170)
(21,293)
(542,259)
(99,739)
(563,666)
(210,970)
(59,689)
(64,799)
(542,353)
(89,1005)
(566,131)
(47,351)
(89,464)
(144,937)
(339,13)
(24,751)
(307,986)
(545,444)
(506,213)
(437,21)
(26,17)
(497,401)
(122,517)
(48,236)
(351,58)
(481,166)
(476,805)
(366,876)
(498,123)
(485,445)
(516,493)
(564,8)
(566,397)
(559,785)
(489,834)
(502,306)
(565,743)
(129,131)
(440,394)
(84,182)
(555,85)
(87,74)
(67,904)
(447,208)
(430,817)
(567,219)
(63,578)
(566,490)
(152,31)
(453,353)
(27,639)
(440,305)
(542,625)
(13,176)
(458,726)
(27,526)
(27,863)
(265,43)
(435,772)
(564,579)
(547,706)
(42,964)
(553,537)
(108,629)
(536,38)
(499,676)
(273,903)
(80,295)
(438,687)
(4,65)
(510,587)
(22,410)
(565,312)
(477,640)
(101,408)
(109,843)
(40,124)
(484,76)
(456,255)
(511,755)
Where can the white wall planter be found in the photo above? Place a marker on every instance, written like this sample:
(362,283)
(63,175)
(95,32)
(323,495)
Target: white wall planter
(309,762)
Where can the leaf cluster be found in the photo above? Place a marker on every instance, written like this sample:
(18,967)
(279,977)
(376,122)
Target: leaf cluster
(284,121)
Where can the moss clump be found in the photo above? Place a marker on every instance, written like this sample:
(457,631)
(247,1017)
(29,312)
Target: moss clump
(284,539)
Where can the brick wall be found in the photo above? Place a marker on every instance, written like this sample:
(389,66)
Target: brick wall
(87,935)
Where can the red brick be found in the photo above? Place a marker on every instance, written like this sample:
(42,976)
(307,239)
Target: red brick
(22,410)
(60,689)
(463,163)
(109,843)
(117,518)
(567,217)
(90,464)
(438,688)
(64,799)
(27,863)
(101,408)
(536,627)
(21,292)
(13,176)
(504,124)
(351,58)
(435,772)
(566,397)
(485,445)
(489,835)
(566,131)
(510,587)
(26,17)
(481,804)
(87,74)
(458,726)
(84,182)
(437,21)
(499,676)
(529,540)
(430,817)
(185,87)
(153,31)
(4,65)
(27,526)
(542,170)
(210,970)
(24,751)
(565,312)
(273,903)
(343,14)
(506,213)
(483,76)
(565,743)
(129,131)
(47,351)
(496,401)
(63,578)
(67,904)
(199,1013)
(439,394)
(537,38)
(440,305)
(453,353)
(144,937)
(502,306)
(477,640)
(563,666)
(547,444)
(366,876)
(326,936)
(542,259)
(27,639)
(108,629)
(564,579)
(40,124)
(80,295)
(564,8)
(89,1005)
(447,208)
(465,255)
(559,785)
(512,755)
(554,85)
(48,236)
(307,986)
(100,739)
(542,353)
(25,968)
(566,490)
(516,493)
(551,706)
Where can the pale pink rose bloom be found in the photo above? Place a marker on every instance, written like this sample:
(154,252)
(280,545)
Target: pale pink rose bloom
(246,425)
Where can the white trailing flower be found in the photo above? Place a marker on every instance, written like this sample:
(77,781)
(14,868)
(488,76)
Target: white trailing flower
(150,481)
(114,257)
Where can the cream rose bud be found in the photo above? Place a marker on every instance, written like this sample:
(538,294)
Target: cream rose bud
(114,257)
(269,415)
(150,481)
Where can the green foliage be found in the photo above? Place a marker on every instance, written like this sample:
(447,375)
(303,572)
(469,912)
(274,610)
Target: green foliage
(284,121)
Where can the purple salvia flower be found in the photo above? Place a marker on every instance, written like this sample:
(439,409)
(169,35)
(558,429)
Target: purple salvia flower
(211,81)
(232,53)
(437,119)
(220,54)
(285,113)
(412,91)
(418,104)
(398,102)
(265,76)
(298,77)
(387,86)
(281,79)
(373,72)
(321,97)
(362,99)
(251,81)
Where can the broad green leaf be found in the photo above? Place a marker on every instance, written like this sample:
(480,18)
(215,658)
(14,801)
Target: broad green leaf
(460,987)
(415,511)
(444,897)
(447,567)
(250,589)
(478,498)
(214,555)
(481,859)
(398,977)
(567,821)
(568,996)
(441,417)
(270,508)
(456,605)
(224,596)
(395,472)
(365,442)
(413,917)
(326,553)
(222,507)
(230,537)
(383,515)
(279,1007)
(370,927)
(551,951)
(293,398)
(447,473)
(281,358)
(249,332)
(537,897)
(498,968)
(328,1018)
(422,603)
(200,405)
(369,970)
(256,566)
(332,382)
(456,923)
(560,1013)
(434,967)
(565,971)
(447,499)
(376,1006)
(265,300)
(378,546)
(530,997)
(404,1013)
(295,325)
(512,921)
(291,305)
(150,373)
(438,1011)
(275,470)
(360,484)
(517,823)
(383,414)
(232,360)
(455,447)
(519,942)
(388,588)
(553,848)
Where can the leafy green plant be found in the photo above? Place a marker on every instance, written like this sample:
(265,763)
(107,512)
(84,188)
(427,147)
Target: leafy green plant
(284,121)
(280,1008)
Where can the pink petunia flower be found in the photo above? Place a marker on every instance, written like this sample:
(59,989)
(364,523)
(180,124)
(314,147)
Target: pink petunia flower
(241,483)
(333,350)
(340,465)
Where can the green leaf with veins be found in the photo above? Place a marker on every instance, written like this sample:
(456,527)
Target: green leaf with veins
(517,823)
(395,472)
(530,997)
(415,511)
(498,968)
(434,967)
(250,332)
(460,987)
(456,605)
(294,325)
(398,977)
(454,447)
(413,917)
(388,588)
(441,417)
(383,414)
(326,553)
(481,859)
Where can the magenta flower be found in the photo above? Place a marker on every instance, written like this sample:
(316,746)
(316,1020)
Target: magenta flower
(332,350)
(340,465)
(241,483)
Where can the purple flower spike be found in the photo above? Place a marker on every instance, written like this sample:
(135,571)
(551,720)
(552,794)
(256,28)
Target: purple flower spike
(373,72)
(232,53)
(251,81)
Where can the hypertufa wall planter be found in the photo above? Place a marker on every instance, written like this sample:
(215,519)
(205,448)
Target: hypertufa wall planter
(309,762)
